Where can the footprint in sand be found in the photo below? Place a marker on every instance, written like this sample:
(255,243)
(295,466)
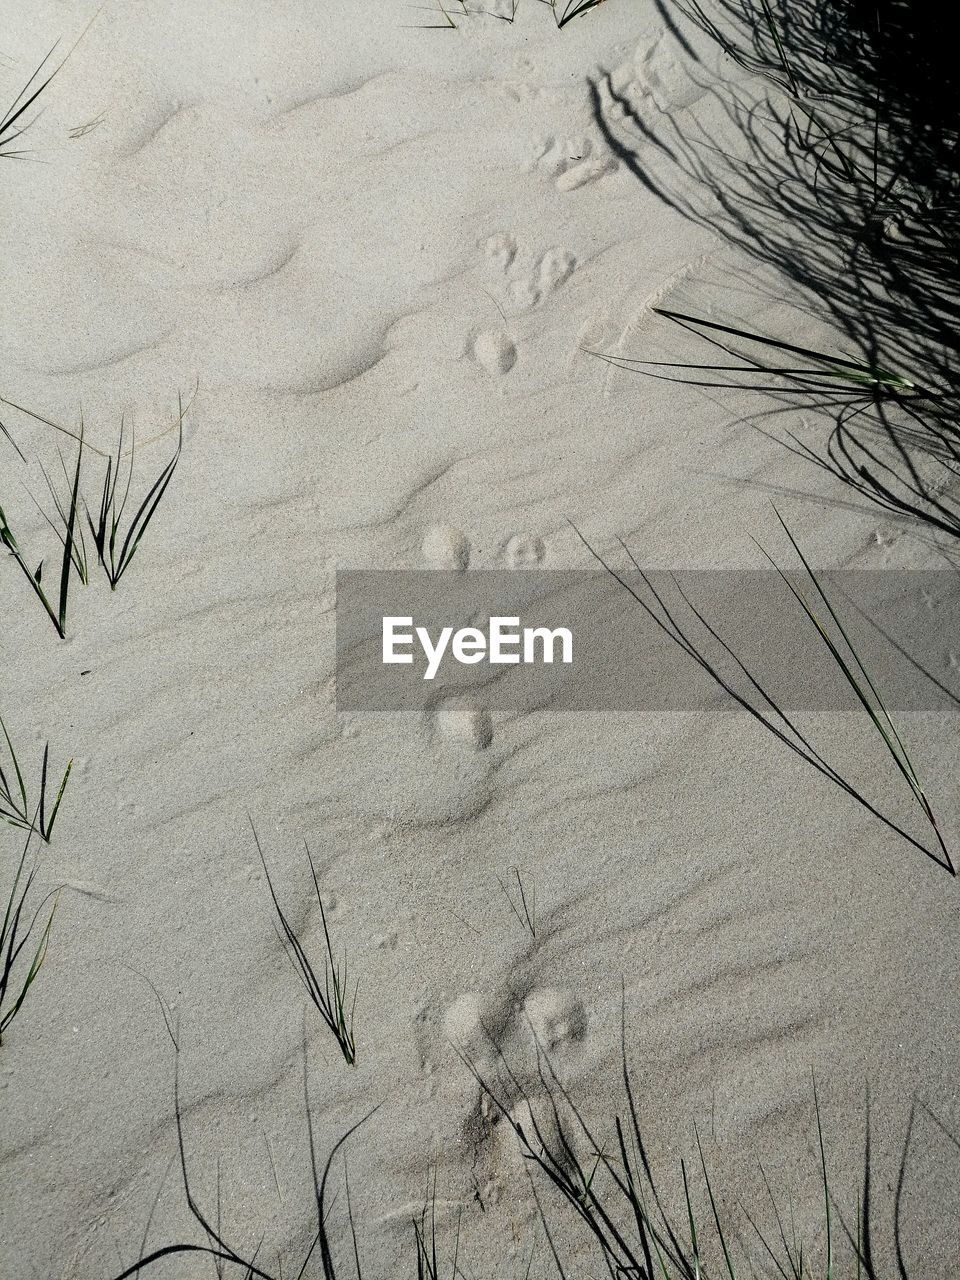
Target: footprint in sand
(573,162)
(524,551)
(464,724)
(495,351)
(500,250)
(550,272)
(555,269)
(556,1017)
(666,77)
(524,294)
(446,547)
(463,1025)
(587,171)
(557,155)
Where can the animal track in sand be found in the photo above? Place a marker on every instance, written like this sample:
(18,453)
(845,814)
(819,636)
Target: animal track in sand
(550,272)
(530,281)
(585,172)
(446,547)
(574,162)
(495,351)
(555,1017)
(463,1026)
(463,723)
(555,269)
(557,155)
(524,294)
(665,77)
(501,249)
(524,551)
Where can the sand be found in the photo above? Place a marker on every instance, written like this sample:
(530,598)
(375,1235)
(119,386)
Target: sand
(378,252)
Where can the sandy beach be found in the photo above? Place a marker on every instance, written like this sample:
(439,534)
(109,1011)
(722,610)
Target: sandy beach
(390,272)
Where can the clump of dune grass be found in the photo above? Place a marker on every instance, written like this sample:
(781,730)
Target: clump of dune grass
(22,951)
(763,708)
(117,522)
(117,534)
(55,606)
(15,122)
(613,1188)
(894,441)
(330,996)
(245,1262)
(15,806)
(565,11)
(849,190)
(619,1197)
(809,371)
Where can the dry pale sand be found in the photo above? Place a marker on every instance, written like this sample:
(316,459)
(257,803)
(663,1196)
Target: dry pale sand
(379,250)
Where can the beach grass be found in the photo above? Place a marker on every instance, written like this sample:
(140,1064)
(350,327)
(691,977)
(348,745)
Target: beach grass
(116,533)
(331,995)
(809,373)
(864,164)
(234,1259)
(650,1217)
(842,651)
(54,605)
(894,440)
(565,11)
(60,524)
(23,941)
(15,120)
(15,806)
(116,523)
(430,1266)
(732,675)
(615,1191)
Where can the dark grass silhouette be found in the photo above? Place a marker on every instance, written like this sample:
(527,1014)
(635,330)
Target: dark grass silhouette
(117,522)
(610,1192)
(116,533)
(614,1188)
(23,942)
(844,181)
(55,606)
(329,996)
(15,806)
(16,119)
(686,625)
(235,1258)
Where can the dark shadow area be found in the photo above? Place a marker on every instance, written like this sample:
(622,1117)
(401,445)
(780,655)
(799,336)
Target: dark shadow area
(838,169)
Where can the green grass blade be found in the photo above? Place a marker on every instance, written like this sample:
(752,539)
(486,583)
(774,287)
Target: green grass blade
(716,1212)
(21,786)
(66,565)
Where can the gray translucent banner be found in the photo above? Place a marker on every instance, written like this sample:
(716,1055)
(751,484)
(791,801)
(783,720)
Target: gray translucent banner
(657,643)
